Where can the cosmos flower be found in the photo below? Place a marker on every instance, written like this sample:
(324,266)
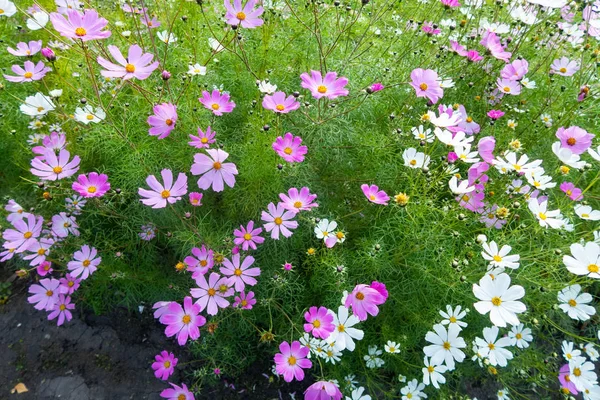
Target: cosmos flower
(137,65)
(244,301)
(165,364)
(37,105)
(203,140)
(62,310)
(289,148)
(28,73)
(298,200)
(26,49)
(330,86)
(565,67)
(575,139)
(183,322)
(211,293)
(319,322)
(44,295)
(161,194)
(163,121)
(364,300)
(426,84)
(85,262)
(279,220)
(584,259)
(25,233)
(246,16)
(88,114)
(248,237)
(85,26)
(213,170)
(8,8)
(239,272)
(278,103)
(374,195)
(498,298)
(92,185)
(177,392)
(291,360)
(323,390)
(217,102)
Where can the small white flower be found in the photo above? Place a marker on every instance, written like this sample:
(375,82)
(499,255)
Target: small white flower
(569,350)
(460,188)
(492,348)
(88,114)
(500,257)
(266,87)
(392,347)
(432,373)
(372,359)
(196,69)
(215,44)
(357,394)
(586,212)
(454,317)
(520,336)
(166,37)
(37,105)
(575,303)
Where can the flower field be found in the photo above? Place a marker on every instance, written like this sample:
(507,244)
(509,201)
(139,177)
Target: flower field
(386,199)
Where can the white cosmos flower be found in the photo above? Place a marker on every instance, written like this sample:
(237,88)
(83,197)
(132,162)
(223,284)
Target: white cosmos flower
(575,303)
(586,212)
(345,333)
(392,347)
(215,44)
(549,3)
(594,153)
(591,351)
(522,164)
(311,342)
(413,391)
(325,229)
(503,394)
(444,120)
(591,393)
(569,350)
(585,259)
(357,394)
(267,87)
(37,105)
(500,257)
(459,188)
(450,139)
(546,218)
(446,345)
(454,317)
(520,336)
(492,348)
(567,157)
(581,373)
(499,299)
(166,37)
(432,373)
(540,181)
(529,84)
(465,154)
(88,114)
(38,20)
(8,8)
(196,69)
(420,133)
(414,159)
(331,354)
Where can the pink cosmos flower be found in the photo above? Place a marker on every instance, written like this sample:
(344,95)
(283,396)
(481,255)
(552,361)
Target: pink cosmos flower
(426,84)
(44,268)
(495,114)
(55,167)
(279,220)
(163,121)
(319,322)
(458,48)
(136,65)
(160,195)
(26,49)
(44,295)
(164,366)
(39,251)
(246,17)
(217,102)
(248,237)
(25,234)
(177,392)
(151,23)
(201,261)
(428,28)
(515,71)
(376,87)
(565,381)
(450,3)
(331,86)
(69,284)
(62,309)
(364,299)
(476,174)
(84,262)
(289,148)
(564,67)
(374,195)
(63,225)
(183,321)
(473,56)
(380,287)
(29,73)
(203,140)
(196,199)
(93,185)
(240,275)
(55,142)
(472,201)
(297,201)
(85,26)
(485,148)
(244,301)
(161,308)
(279,103)
(323,390)
(452,157)
(211,294)
(213,170)
(574,193)
(491,41)
(507,86)
(583,93)
(16,211)
(574,138)
(128,8)
(291,360)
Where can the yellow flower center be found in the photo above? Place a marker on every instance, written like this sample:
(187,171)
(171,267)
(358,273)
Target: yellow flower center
(182,397)
(186,319)
(292,360)
(204,263)
(204,140)
(247,236)
(215,106)
(280,107)
(423,86)
(452,319)
(167,364)
(372,197)
(593,268)
(341,328)
(244,303)
(92,189)
(179,266)
(469,119)
(40,109)
(465,198)
(497,258)
(506,89)
(217,165)
(496,301)
(431,368)
(563,70)
(447,346)
(70,284)
(28,75)
(569,192)
(322,89)
(80,32)
(278,221)
(89,117)
(339,235)
(409,396)
(1,11)
(542,216)
(130,68)
(86,263)
(567,378)
(169,121)
(49,293)
(571,141)
(585,215)
(316,323)
(27,235)
(572,303)
(519,336)
(241,16)
(57,170)
(297,204)
(577,372)
(237,272)
(491,346)
(165,194)
(413,162)
(360,296)
(211,292)
(41,252)
(288,150)
(223,288)
(62,307)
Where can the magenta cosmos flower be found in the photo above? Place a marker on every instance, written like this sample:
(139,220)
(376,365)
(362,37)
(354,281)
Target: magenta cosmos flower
(55,167)
(564,66)
(85,26)
(160,195)
(137,64)
(244,301)
(30,72)
(25,234)
(203,140)
(495,114)
(44,268)
(246,17)
(426,84)
(491,41)
(163,121)
(217,102)
(45,295)
(575,139)
(213,170)
(330,86)
(177,393)
(62,310)
(374,195)
(183,321)
(240,275)
(297,201)
(200,261)
(574,193)
(248,237)
(319,322)
(279,220)
(291,360)
(211,294)
(69,284)
(364,299)
(84,262)
(164,366)
(196,199)
(55,141)
(565,380)
(26,49)
(289,148)
(279,103)
(323,390)
(92,185)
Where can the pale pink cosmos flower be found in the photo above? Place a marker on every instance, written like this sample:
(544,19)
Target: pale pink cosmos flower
(62,310)
(29,73)
(26,49)
(297,201)
(211,294)
(63,225)
(485,148)
(213,170)
(44,295)
(319,322)
(323,390)
(137,65)
(217,102)
(507,86)
(330,86)
(565,67)
(246,17)
(279,103)
(55,167)
(25,234)
(279,220)
(92,185)
(177,392)
(248,237)
(291,360)
(289,148)
(374,195)
(16,211)
(55,142)
(160,194)
(491,41)
(244,301)
(69,284)
(163,121)
(364,300)
(85,262)
(515,71)
(473,56)
(151,23)
(39,250)
(196,199)
(574,138)
(426,84)
(200,262)
(458,48)
(44,268)
(164,366)
(239,272)
(85,26)
(203,140)
(183,321)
